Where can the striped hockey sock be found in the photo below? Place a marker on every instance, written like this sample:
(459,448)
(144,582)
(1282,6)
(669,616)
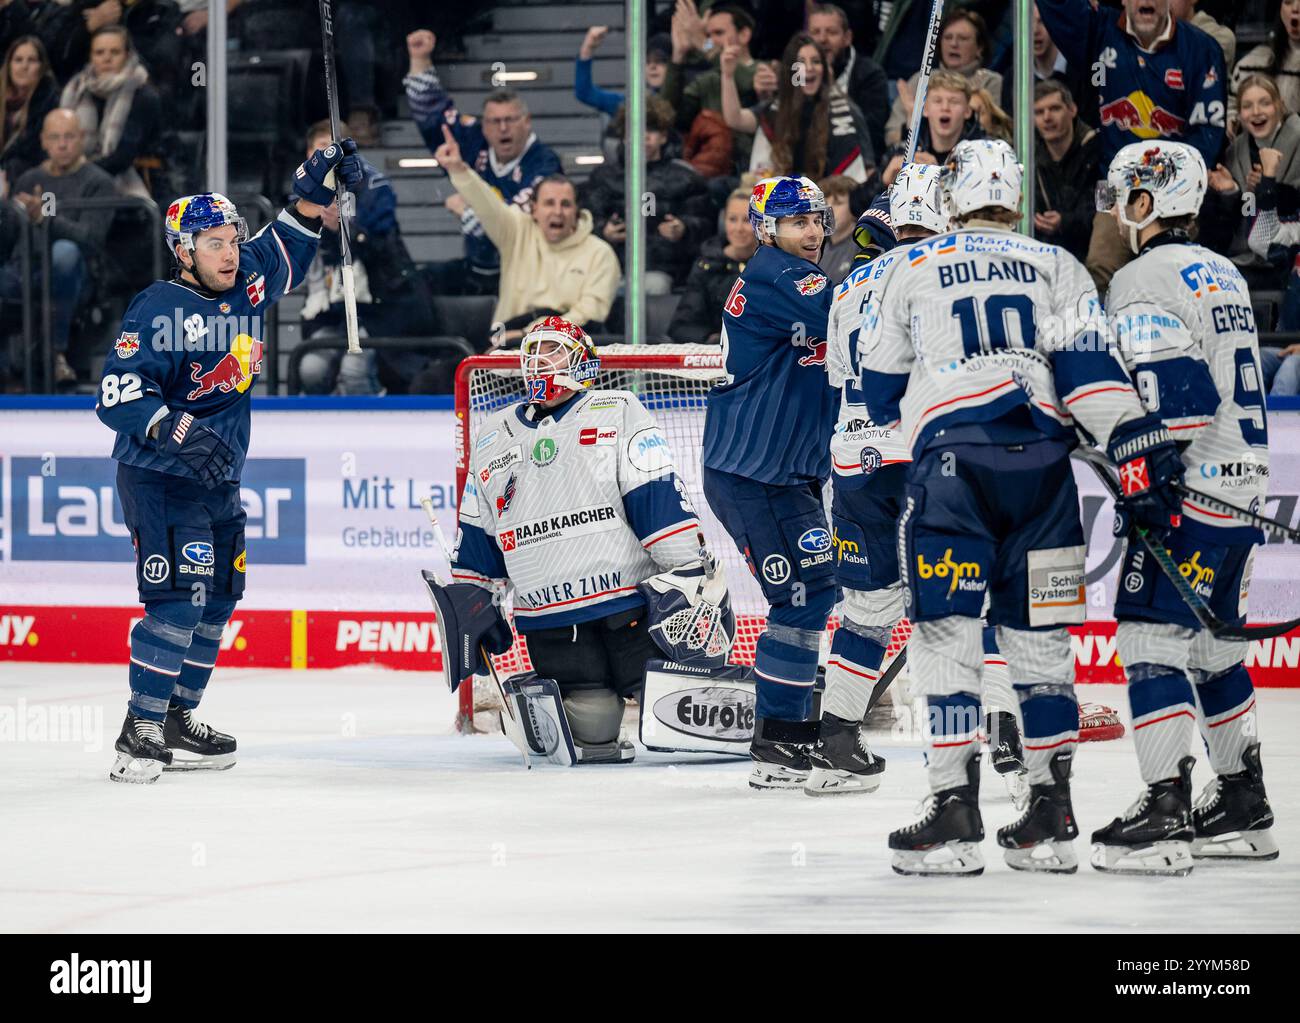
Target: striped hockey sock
(197,667)
(1229,724)
(853,669)
(157,652)
(1051,724)
(785,668)
(953,725)
(1163,715)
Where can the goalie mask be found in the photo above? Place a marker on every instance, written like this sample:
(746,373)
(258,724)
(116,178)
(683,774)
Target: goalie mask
(557,356)
(1171,173)
(690,614)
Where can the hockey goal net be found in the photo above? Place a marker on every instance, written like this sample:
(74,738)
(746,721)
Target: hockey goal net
(673,382)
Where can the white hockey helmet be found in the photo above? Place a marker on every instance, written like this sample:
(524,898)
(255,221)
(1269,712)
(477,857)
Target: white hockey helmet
(917,200)
(1172,173)
(981,173)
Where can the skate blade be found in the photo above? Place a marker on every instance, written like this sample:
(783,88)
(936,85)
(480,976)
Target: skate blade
(127,768)
(1170,859)
(774,776)
(822,782)
(1044,857)
(1017,788)
(957,859)
(1236,845)
(221,762)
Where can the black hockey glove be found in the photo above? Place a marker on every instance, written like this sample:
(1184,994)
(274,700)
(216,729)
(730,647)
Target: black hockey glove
(1150,467)
(199,447)
(312,180)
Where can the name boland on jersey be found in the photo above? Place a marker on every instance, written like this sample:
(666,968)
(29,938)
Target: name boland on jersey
(982,322)
(771,420)
(1183,320)
(183,350)
(574,508)
(858,446)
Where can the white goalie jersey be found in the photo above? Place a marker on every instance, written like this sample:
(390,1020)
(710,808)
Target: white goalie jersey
(574,507)
(984,321)
(1183,320)
(858,446)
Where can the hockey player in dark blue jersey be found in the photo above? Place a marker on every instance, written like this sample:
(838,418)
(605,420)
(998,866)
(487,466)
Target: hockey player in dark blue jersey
(176,388)
(767,454)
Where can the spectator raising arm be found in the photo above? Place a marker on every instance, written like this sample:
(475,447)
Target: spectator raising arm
(501,222)
(586,91)
(736,116)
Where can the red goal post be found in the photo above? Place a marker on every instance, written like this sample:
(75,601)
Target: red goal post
(672,381)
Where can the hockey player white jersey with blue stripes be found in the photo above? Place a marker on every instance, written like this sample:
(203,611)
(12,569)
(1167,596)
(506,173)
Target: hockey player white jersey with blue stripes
(980,321)
(1183,320)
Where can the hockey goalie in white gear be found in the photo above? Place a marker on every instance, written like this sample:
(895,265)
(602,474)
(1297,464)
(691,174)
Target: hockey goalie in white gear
(571,502)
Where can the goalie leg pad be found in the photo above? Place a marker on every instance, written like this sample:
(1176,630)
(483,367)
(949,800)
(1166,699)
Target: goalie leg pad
(688,709)
(594,715)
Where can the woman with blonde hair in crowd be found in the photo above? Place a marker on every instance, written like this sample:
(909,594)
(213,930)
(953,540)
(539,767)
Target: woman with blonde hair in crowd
(1267,146)
(118,109)
(1279,58)
(28,92)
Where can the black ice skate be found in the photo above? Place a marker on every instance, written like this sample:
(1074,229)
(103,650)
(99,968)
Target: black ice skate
(195,746)
(1232,819)
(1007,755)
(1155,835)
(1043,838)
(142,754)
(779,753)
(841,761)
(946,839)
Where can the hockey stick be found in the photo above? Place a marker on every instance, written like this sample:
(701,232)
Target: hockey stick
(923,82)
(1211,622)
(1250,518)
(886,680)
(344,199)
(514,730)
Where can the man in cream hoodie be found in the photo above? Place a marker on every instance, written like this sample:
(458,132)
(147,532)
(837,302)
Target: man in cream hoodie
(551,263)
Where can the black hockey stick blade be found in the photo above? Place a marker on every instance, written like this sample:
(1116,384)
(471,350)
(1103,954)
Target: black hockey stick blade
(1195,603)
(1250,518)
(886,680)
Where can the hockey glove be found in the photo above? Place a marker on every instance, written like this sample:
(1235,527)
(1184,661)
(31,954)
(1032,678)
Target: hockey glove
(314,178)
(1150,467)
(199,447)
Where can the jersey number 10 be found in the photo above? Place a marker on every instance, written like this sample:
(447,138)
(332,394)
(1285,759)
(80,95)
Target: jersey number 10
(982,338)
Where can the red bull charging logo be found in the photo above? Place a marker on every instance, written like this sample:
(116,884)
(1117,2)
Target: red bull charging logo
(1137,114)
(234,371)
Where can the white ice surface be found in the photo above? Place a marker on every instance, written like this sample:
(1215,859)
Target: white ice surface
(354,808)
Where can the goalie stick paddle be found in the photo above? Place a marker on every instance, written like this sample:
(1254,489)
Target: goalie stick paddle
(1215,625)
(344,199)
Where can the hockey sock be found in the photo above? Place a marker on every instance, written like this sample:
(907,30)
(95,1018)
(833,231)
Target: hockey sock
(853,669)
(201,657)
(995,679)
(1051,723)
(953,728)
(1229,722)
(1163,716)
(785,668)
(158,649)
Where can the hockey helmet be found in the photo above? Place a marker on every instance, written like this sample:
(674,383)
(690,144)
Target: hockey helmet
(981,173)
(191,214)
(1172,173)
(689,610)
(550,370)
(916,200)
(774,198)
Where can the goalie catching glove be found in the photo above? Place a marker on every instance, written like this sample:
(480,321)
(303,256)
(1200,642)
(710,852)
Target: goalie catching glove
(468,621)
(690,614)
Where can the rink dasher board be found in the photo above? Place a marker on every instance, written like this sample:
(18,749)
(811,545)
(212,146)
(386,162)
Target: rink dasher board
(337,538)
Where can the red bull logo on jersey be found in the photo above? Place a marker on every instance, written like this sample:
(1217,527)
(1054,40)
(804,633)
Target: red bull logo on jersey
(127,344)
(1137,113)
(234,371)
(818,355)
(811,284)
